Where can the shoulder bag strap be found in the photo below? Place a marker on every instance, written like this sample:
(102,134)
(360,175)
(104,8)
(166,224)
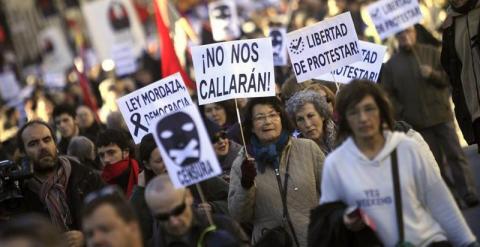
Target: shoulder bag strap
(283,194)
(398,196)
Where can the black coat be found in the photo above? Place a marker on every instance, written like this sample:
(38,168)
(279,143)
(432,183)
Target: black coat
(82,181)
(327,229)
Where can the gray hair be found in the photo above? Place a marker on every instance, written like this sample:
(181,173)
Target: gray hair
(301,98)
(82,148)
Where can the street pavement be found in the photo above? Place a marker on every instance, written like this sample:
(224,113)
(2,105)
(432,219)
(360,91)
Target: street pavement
(472,215)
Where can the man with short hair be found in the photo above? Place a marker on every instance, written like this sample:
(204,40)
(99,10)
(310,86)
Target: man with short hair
(176,222)
(119,168)
(419,88)
(59,184)
(64,118)
(88,125)
(109,220)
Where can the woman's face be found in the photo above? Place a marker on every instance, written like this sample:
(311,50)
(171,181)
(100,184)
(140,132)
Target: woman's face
(216,113)
(309,122)
(156,162)
(364,118)
(267,125)
(221,144)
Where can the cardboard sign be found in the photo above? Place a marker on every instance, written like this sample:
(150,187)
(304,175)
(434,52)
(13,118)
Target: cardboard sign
(235,69)
(393,16)
(279,45)
(9,88)
(124,58)
(57,57)
(142,107)
(224,20)
(323,47)
(368,68)
(113,22)
(185,147)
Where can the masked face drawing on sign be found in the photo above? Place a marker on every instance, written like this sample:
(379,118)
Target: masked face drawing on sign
(223,14)
(179,137)
(277,42)
(118,16)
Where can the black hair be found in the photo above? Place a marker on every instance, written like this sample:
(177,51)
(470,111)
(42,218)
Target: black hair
(116,199)
(64,109)
(21,144)
(113,136)
(147,145)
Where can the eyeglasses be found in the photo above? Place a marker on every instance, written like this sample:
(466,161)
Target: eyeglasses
(369,110)
(178,210)
(111,190)
(262,118)
(219,135)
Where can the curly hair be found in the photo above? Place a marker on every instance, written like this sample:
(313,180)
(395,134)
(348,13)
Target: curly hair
(300,99)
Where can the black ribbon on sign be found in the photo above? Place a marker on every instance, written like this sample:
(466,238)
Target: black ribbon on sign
(135,119)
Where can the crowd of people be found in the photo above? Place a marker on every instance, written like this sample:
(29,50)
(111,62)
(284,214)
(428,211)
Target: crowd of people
(318,164)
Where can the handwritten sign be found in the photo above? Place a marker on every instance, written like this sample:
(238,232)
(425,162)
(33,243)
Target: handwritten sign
(393,16)
(323,47)
(235,69)
(368,68)
(142,107)
(185,147)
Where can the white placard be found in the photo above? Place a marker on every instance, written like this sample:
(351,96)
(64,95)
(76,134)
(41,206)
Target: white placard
(323,47)
(112,22)
(393,16)
(224,20)
(368,68)
(56,54)
(124,58)
(55,79)
(142,107)
(235,69)
(9,88)
(185,147)
(279,45)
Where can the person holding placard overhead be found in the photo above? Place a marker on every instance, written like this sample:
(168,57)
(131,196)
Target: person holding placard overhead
(385,176)
(276,184)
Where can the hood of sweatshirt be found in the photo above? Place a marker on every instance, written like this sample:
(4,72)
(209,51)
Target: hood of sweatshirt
(392,139)
(453,13)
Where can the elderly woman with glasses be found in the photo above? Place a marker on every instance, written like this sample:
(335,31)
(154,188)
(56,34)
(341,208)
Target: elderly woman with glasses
(361,173)
(311,115)
(275,162)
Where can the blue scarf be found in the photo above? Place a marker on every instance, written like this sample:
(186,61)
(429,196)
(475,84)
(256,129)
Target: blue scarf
(268,154)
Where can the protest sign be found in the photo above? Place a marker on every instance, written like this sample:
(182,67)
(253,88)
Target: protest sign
(113,23)
(323,47)
(185,147)
(124,58)
(368,68)
(235,69)
(56,55)
(393,16)
(142,107)
(279,45)
(224,20)
(9,88)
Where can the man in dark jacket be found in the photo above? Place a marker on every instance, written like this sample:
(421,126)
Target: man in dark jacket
(461,61)
(419,89)
(176,222)
(64,118)
(59,184)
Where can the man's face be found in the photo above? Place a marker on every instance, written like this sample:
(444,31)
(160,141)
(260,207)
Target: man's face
(179,221)
(111,154)
(66,125)
(84,117)
(105,228)
(407,38)
(40,147)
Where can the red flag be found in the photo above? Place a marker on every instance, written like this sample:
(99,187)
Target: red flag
(170,63)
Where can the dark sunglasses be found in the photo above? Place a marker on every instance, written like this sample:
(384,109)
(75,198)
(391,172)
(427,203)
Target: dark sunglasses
(178,210)
(111,190)
(220,135)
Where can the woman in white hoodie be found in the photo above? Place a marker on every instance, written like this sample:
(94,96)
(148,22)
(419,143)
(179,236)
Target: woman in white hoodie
(359,174)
